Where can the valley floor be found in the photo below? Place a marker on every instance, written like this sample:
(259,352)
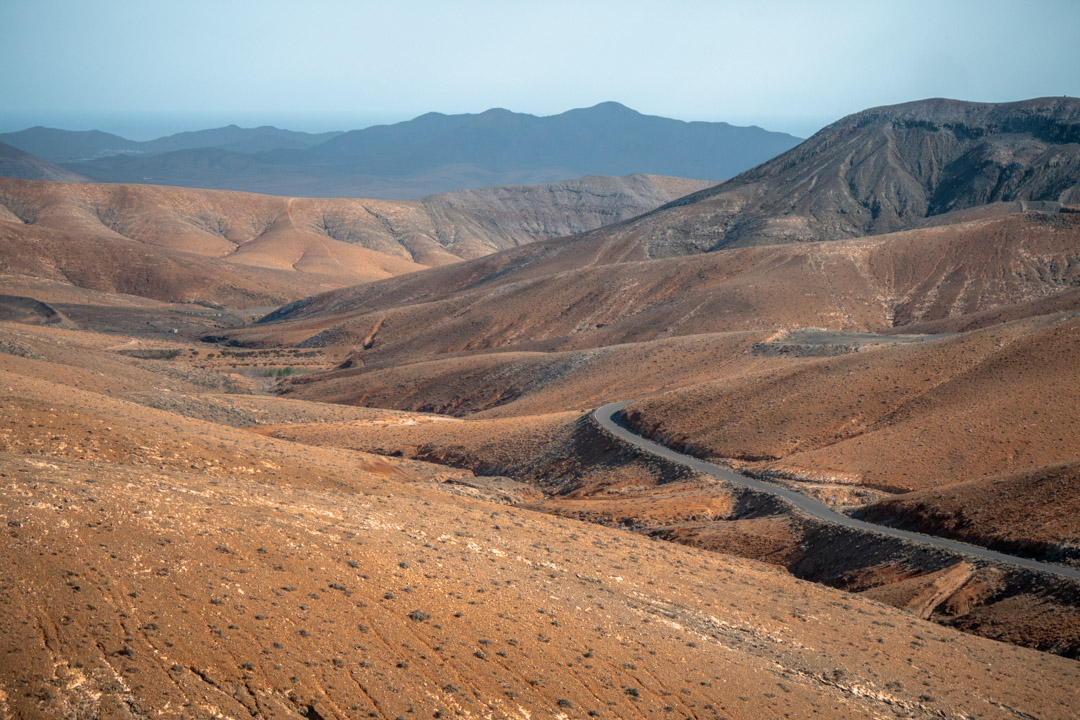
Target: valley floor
(176,542)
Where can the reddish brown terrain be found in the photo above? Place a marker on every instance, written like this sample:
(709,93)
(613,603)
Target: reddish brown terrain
(393,499)
(858,370)
(586,292)
(243,250)
(160,558)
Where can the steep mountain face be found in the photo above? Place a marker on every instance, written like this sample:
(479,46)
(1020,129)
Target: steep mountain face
(15,163)
(879,171)
(437,153)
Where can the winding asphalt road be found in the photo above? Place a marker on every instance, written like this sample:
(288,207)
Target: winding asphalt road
(605,416)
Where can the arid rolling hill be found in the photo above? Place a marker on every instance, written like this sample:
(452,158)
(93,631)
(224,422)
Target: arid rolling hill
(934,360)
(160,557)
(392,499)
(837,408)
(896,418)
(720,348)
(580,292)
(83,233)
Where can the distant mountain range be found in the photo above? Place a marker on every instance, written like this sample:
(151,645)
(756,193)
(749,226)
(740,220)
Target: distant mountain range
(429,154)
(71,146)
(16,163)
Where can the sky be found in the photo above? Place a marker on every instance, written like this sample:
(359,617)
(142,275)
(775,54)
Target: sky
(143,68)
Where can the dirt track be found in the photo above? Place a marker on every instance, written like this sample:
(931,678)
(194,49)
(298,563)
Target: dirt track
(606,416)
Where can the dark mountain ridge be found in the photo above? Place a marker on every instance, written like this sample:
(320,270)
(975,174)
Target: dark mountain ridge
(77,146)
(16,163)
(606,139)
(437,153)
(64,146)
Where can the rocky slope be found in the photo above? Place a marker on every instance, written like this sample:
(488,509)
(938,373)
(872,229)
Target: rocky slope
(579,292)
(879,171)
(159,563)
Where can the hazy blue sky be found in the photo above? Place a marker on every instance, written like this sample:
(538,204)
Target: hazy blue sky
(146,67)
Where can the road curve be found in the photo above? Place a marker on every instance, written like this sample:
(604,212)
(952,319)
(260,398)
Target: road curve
(605,416)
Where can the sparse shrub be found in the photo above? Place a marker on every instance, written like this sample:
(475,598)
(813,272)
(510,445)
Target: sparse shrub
(152,353)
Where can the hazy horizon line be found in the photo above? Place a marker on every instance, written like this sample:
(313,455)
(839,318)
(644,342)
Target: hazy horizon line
(141,127)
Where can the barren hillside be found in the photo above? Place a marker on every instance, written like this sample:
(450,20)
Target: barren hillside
(83,233)
(579,292)
(160,563)
(878,171)
(394,498)
(856,370)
